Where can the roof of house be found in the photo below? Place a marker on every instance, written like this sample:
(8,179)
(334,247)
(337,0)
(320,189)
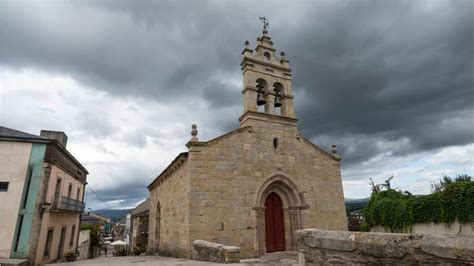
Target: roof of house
(142,207)
(9,134)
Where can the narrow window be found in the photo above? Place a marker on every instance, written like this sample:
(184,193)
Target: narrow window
(78,197)
(73,231)
(28,181)
(4,186)
(49,239)
(69,191)
(18,233)
(275,143)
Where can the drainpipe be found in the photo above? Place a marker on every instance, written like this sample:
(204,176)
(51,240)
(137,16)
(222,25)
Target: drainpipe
(80,217)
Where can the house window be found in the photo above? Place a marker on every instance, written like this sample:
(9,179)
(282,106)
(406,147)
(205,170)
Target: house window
(78,194)
(49,239)
(71,240)
(4,186)
(69,191)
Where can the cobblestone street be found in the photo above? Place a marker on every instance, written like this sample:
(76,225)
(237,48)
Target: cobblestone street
(289,258)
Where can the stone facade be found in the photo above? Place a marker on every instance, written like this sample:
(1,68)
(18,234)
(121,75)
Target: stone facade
(217,190)
(318,247)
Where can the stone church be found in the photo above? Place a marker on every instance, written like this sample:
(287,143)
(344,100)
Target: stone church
(254,186)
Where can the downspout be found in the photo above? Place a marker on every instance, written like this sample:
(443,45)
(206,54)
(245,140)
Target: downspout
(80,217)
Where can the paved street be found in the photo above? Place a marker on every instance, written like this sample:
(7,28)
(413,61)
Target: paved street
(277,258)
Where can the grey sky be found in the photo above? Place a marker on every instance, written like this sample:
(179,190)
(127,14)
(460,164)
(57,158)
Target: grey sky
(378,78)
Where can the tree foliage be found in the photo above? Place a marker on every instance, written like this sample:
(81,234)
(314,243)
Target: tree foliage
(94,232)
(452,199)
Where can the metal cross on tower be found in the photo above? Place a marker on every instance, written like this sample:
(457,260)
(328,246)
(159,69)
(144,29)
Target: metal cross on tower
(265,22)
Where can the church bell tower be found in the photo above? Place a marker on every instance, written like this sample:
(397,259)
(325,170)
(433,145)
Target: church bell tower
(266,81)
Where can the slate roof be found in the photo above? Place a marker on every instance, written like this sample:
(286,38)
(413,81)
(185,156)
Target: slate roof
(8,133)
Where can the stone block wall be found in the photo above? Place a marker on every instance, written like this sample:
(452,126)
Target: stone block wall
(209,251)
(359,248)
(168,223)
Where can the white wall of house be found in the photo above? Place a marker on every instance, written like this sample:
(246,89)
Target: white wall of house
(14,158)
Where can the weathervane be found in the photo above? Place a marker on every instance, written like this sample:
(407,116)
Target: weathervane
(265,23)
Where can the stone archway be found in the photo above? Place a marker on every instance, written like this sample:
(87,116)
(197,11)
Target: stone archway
(293,202)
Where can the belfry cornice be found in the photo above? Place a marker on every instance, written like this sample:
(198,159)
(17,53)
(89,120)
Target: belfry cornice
(263,63)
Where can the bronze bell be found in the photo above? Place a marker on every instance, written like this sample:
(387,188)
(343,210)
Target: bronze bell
(277,99)
(260,97)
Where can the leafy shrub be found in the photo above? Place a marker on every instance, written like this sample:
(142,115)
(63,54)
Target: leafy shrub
(400,210)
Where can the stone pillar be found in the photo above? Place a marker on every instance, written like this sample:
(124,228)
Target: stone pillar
(270,105)
(260,230)
(287,109)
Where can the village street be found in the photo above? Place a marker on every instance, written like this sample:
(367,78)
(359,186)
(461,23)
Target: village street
(289,258)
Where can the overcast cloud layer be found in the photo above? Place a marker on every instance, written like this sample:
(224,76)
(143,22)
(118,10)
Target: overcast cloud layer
(390,82)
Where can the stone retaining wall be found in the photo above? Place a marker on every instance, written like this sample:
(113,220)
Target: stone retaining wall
(333,247)
(209,251)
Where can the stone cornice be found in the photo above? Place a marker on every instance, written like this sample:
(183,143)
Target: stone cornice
(306,140)
(267,64)
(285,75)
(268,118)
(206,143)
(171,168)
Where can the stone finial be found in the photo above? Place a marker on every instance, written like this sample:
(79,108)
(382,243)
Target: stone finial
(283,58)
(194,133)
(334,149)
(247,43)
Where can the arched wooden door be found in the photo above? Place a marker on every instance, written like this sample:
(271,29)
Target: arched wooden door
(274,229)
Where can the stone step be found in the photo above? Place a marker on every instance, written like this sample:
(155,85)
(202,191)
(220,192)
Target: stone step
(14,262)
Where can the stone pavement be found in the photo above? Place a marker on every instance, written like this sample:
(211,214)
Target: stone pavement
(287,258)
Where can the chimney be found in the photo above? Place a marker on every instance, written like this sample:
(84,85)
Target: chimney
(57,135)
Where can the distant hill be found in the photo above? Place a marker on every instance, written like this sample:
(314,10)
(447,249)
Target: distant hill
(114,215)
(355,204)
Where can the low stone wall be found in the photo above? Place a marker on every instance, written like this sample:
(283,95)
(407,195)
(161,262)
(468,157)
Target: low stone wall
(333,247)
(209,251)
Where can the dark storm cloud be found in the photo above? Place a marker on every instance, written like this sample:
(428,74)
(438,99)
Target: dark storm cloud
(409,76)
(370,76)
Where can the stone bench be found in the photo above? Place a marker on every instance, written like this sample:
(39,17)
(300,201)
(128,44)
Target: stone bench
(214,252)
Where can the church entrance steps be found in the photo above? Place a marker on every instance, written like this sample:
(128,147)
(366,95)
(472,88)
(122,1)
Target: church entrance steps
(285,258)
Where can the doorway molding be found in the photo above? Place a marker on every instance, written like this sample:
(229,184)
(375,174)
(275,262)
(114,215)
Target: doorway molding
(293,202)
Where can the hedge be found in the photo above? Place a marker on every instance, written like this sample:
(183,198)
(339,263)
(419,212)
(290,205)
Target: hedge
(398,211)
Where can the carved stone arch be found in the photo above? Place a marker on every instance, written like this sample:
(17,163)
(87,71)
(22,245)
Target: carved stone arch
(283,181)
(262,82)
(293,202)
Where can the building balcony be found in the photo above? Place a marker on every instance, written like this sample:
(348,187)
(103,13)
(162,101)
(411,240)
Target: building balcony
(68,205)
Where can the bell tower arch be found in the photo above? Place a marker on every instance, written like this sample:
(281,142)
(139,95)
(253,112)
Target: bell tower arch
(266,79)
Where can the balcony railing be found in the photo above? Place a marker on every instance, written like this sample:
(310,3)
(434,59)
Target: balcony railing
(68,204)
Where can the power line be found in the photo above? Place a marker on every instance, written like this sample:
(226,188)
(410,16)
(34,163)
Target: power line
(101,199)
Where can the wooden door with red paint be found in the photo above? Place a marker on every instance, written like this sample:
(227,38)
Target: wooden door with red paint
(274,229)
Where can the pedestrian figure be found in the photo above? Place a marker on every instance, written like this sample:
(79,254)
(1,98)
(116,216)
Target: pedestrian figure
(105,251)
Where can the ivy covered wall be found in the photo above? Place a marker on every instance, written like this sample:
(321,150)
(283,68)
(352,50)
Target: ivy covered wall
(400,210)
